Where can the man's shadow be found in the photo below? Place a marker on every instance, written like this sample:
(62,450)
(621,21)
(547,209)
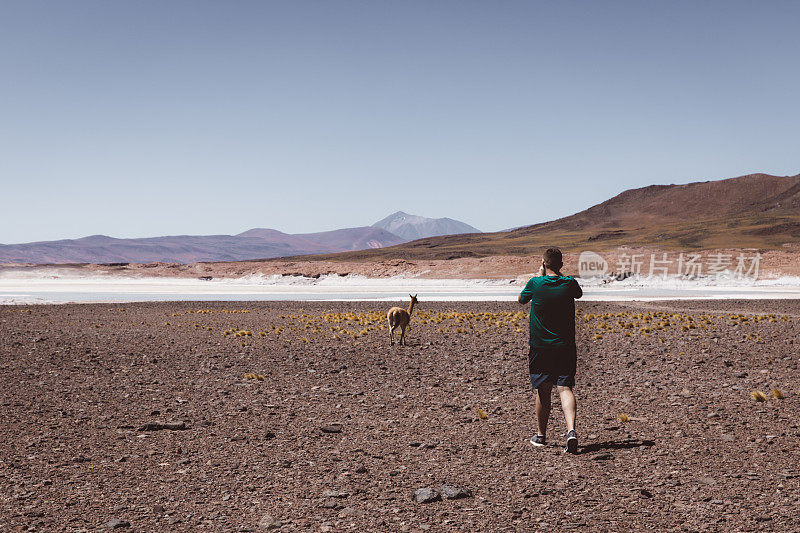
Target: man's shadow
(616,445)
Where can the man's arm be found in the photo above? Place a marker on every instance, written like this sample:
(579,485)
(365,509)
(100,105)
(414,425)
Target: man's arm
(527,293)
(578,291)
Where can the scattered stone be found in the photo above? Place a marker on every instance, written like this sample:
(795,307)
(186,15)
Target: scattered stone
(601,456)
(427,495)
(332,428)
(158,509)
(267,522)
(116,523)
(269,435)
(328,493)
(454,492)
(158,426)
(646,493)
(360,469)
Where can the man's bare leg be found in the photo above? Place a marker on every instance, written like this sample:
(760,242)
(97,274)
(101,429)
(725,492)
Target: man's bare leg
(543,394)
(568,406)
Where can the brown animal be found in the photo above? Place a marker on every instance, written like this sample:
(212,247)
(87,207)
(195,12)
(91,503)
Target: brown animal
(398,316)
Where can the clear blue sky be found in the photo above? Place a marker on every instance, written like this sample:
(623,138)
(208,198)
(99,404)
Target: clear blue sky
(168,117)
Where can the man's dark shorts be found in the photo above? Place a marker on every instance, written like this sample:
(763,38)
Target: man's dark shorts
(555,365)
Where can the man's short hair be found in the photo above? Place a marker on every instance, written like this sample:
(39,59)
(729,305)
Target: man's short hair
(552,258)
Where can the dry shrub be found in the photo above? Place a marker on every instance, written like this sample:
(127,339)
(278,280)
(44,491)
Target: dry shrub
(758,396)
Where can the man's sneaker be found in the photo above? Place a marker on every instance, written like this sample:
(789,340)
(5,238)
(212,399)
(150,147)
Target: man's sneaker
(538,440)
(572,442)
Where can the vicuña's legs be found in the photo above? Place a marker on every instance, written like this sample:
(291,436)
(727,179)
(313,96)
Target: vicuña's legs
(391,334)
(403,335)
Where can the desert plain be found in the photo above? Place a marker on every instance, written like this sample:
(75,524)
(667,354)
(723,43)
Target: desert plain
(293,416)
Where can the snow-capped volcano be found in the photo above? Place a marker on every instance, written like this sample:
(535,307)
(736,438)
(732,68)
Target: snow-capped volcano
(411,227)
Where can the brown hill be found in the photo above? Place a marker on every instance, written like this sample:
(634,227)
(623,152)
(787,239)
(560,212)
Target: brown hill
(753,211)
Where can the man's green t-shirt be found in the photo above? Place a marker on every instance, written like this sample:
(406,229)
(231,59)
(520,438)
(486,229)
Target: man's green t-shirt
(552,310)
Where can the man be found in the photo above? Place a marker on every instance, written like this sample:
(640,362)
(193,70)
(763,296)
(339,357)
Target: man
(553,355)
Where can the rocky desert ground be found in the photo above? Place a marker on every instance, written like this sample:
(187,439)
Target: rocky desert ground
(300,417)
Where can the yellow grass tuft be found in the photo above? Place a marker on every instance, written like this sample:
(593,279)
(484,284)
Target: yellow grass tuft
(483,415)
(777,394)
(758,396)
(624,418)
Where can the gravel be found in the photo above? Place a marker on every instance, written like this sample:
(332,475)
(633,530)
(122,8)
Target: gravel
(134,406)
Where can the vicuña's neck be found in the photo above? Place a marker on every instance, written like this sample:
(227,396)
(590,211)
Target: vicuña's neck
(410,307)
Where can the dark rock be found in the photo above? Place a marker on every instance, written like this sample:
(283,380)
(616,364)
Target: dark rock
(332,428)
(454,492)
(427,495)
(159,426)
(158,509)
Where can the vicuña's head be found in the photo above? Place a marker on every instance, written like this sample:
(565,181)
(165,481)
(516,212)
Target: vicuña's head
(414,298)
(552,259)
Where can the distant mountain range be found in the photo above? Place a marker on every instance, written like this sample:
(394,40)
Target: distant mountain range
(754,211)
(413,227)
(258,243)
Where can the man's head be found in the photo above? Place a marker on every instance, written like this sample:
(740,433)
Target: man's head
(552,259)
